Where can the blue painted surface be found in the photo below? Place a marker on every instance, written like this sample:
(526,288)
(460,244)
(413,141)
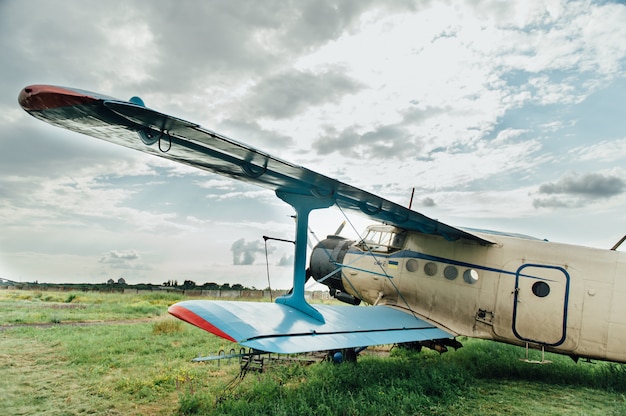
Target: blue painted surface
(137,100)
(280,328)
(303,204)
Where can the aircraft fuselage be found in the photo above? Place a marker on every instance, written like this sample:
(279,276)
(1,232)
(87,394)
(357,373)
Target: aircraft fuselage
(563,298)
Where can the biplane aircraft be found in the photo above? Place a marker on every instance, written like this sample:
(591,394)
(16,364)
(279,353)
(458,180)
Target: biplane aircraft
(426,282)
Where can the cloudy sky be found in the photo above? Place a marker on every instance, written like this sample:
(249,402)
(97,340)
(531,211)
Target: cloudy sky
(505,115)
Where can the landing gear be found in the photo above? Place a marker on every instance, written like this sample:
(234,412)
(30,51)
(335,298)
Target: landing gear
(345,355)
(439,345)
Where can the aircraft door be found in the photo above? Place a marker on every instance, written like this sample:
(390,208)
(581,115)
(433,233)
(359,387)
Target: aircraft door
(540,304)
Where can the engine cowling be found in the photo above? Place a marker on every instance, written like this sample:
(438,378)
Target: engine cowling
(326,257)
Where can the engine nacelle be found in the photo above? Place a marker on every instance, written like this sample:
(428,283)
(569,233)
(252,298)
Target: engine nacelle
(325,266)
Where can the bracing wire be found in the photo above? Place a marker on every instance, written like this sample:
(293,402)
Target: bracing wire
(341,266)
(267,265)
(267,261)
(384,272)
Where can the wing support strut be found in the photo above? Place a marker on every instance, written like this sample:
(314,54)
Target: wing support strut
(303,205)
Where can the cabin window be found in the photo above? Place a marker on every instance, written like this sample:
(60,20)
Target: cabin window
(412,265)
(450,272)
(383,240)
(397,240)
(541,289)
(430,268)
(470,276)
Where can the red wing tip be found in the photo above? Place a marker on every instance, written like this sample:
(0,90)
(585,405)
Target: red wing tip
(45,97)
(186,315)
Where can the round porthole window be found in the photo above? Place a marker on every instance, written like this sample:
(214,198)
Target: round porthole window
(412,265)
(541,289)
(450,272)
(470,276)
(430,268)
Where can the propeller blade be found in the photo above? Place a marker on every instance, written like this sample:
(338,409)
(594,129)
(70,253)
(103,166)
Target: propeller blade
(340,228)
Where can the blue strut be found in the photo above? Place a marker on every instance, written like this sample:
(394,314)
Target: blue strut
(303,204)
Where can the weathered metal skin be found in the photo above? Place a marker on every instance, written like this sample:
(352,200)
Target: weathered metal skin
(563,298)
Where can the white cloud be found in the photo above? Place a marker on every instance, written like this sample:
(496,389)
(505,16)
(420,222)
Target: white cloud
(604,151)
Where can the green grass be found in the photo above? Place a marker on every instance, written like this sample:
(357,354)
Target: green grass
(34,307)
(482,378)
(19,307)
(103,369)
(144,368)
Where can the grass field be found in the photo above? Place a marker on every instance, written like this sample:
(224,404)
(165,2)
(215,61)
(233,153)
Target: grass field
(135,360)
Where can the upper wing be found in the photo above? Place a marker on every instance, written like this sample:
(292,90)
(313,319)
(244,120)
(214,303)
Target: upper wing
(278,328)
(132,125)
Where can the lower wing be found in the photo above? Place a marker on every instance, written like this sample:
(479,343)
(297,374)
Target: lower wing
(279,328)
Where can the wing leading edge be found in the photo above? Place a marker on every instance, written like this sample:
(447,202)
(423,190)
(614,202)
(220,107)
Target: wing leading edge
(279,328)
(132,125)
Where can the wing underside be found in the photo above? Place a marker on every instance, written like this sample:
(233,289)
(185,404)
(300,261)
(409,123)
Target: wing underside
(135,126)
(278,328)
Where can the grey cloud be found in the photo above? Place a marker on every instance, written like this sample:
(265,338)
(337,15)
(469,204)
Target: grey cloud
(554,202)
(575,191)
(120,259)
(384,141)
(416,115)
(382,134)
(229,31)
(217,37)
(33,148)
(190,43)
(316,21)
(590,185)
(392,140)
(243,40)
(288,93)
(244,253)
(332,140)
(253,134)
(285,261)
(428,202)
(30,40)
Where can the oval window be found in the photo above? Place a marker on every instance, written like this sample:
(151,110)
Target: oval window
(430,268)
(412,265)
(470,276)
(450,272)
(541,289)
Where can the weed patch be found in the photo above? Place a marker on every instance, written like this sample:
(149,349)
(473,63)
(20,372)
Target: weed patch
(167,326)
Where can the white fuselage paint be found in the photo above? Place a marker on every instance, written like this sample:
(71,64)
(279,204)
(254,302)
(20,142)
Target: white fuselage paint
(564,298)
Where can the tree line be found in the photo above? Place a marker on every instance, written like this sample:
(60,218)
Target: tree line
(190,284)
(120,284)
